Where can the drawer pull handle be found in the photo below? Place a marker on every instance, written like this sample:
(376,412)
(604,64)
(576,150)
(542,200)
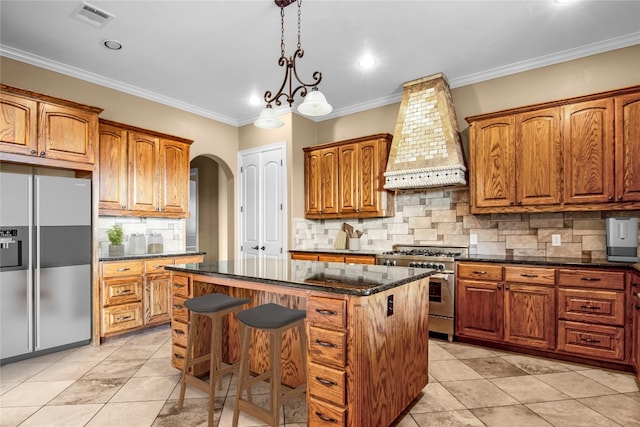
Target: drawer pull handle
(326,344)
(123,291)
(178,285)
(590,307)
(636,285)
(327,312)
(124,269)
(177,356)
(529,275)
(479,272)
(590,279)
(637,307)
(178,332)
(589,340)
(326,382)
(158,266)
(326,419)
(177,307)
(123,318)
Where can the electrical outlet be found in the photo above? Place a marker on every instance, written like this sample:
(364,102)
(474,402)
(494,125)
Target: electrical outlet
(389,305)
(473,239)
(555,240)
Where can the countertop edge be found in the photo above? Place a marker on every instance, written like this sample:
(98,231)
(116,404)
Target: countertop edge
(558,262)
(147,256)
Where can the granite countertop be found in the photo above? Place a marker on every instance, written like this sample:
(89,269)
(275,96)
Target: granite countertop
(145,256)
(341,278)
(337,251)
(569,262)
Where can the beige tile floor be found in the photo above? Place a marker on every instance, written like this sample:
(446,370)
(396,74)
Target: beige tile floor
(129,381)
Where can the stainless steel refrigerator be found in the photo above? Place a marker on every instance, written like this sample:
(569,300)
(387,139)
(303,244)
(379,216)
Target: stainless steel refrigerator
(45,263)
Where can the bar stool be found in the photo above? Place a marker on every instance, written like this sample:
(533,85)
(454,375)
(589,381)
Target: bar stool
(273,319)
(214,306)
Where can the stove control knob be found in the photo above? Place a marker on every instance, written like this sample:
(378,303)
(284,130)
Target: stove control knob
(428,265)
(413,264)
(441,267)
(423,265)
(393,262)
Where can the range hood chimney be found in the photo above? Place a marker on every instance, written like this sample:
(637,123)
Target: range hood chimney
(426,150)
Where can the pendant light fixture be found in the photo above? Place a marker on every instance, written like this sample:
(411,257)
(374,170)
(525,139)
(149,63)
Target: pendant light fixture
(314,103)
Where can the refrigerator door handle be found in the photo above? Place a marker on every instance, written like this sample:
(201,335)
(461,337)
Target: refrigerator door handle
(36,255)
(30,281)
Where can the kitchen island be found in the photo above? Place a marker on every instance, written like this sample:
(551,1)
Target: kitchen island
(366,326)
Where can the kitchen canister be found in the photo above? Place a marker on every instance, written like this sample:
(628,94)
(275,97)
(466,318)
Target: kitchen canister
(155,243)
(137,244)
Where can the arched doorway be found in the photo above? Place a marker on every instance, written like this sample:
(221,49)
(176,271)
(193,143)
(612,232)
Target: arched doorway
(211,228)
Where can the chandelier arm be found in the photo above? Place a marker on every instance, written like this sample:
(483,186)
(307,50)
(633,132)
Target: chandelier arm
(287,63)
(317,75)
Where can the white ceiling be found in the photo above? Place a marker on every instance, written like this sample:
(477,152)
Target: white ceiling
(210,57)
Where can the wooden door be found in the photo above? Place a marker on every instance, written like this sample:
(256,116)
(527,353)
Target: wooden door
(329,180)
(112,161)
(492,159)
(348,178)
(312,182)
(588,152)
(628,147)
(65,133)
(538,159)
(174,177)
(157,298)
(530,315)
(368,162)
(144,185)
(479,309)
(18,125)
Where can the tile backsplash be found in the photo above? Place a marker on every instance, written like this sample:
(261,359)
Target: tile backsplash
(441,217)
(172,231)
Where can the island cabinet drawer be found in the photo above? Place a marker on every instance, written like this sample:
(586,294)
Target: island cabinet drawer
(178,310)
(360,259)
(323,414)
(180,285)
(591,279)
(124,268)
(179,332)
(327,311)
(327,347)
(479,271)
(330,258)
(192,259)
(599,341)
(121,317)
(156,265)
(534,275)
(121,290)
(327,383)
(178,355)
(588,305)
(304,257)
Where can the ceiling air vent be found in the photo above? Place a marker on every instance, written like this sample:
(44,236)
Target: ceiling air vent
(92,15)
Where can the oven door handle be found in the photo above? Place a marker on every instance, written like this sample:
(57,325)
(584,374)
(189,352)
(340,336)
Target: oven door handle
(441,276)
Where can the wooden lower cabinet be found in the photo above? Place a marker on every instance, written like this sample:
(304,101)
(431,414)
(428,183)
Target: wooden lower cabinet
(530,316)
(479,310)
(337,257)
(157,298)
(635,310)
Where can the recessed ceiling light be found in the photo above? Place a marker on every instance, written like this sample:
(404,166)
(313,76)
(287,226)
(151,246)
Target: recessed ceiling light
(367,62)
(112,44)
(255,100)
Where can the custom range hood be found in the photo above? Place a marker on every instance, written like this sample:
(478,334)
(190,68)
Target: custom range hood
(426,150)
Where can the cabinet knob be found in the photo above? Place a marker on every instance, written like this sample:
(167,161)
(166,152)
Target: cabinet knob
(619,197)
(636,285)
(42,153)
(506,287)
(511,202)
(610,198)
(499,286)
(33,151)
(519,202)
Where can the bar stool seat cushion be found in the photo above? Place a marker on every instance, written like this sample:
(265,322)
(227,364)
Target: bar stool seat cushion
(270,316)
(213,302)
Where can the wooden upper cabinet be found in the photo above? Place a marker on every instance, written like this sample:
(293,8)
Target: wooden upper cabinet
(345,179)
(588,152)
(142,173)
(628,147)
(50,131)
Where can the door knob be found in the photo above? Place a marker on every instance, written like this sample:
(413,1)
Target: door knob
(254,247)
(262,248)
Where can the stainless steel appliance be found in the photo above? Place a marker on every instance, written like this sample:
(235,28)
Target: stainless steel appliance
(622,239)
(441,284)
(45,263)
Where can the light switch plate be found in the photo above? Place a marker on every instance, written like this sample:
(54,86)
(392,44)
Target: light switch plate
(555,240)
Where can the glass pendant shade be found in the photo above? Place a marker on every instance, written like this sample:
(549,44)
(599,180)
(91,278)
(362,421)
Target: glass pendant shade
(268,119)
(315,104)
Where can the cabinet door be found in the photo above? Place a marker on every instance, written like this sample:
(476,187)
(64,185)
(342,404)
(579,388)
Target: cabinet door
(588,152)
(348,176)
(112,159)
(18,125)
(479,309)
(368,190)
(157,298)
(312,182)
(174,176)
(143,177)
(329,180)
(628,147)
(492,159)
(635,309)
(538,158)
(66,133)
(530,315)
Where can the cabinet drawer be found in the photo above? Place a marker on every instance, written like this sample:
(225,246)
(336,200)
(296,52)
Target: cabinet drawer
(188,259)
(327,311)
(121,317)
(156,265)
(121,290)
(330,258)
(327,383)
(327,347)
(593,306)
(592,279)
(534,275)
(178,310)
(322,414)
(124,268)
(598,341)
(178,355)
(480,271)
(179,332)
(180,285)
(360,259)
(304,257)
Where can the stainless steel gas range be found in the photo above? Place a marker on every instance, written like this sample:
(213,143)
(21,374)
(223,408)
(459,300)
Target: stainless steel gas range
(441,284)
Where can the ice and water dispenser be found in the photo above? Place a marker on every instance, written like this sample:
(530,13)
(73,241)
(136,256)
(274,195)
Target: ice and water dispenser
(622,239)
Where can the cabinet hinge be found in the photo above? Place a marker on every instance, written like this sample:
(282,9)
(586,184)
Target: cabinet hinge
(241,209)
(280,250)
(241,169)
(281,162)
(280,206)
(241,249)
